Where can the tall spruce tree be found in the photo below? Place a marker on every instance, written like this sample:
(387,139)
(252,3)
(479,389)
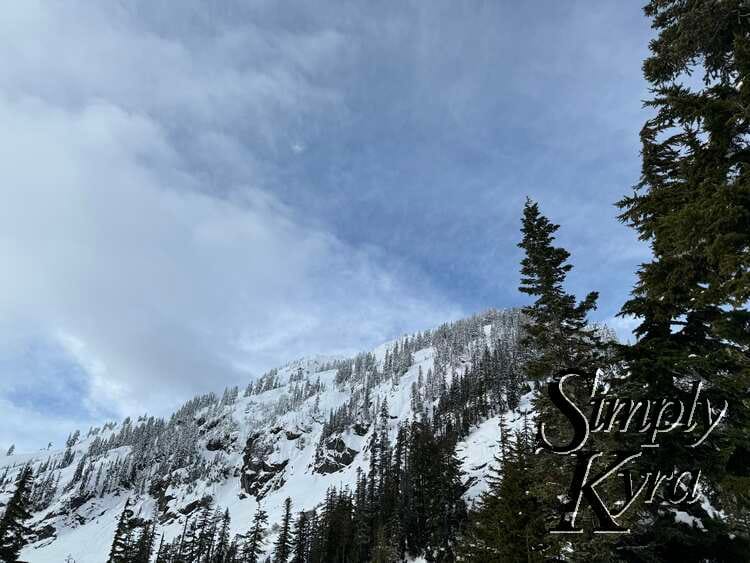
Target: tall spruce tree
(508,524)
(557,337)
(300,539)
(13,531)
(283,545)
(556,332)
(144,546)
(692,206)
(120,551)
(223,540)
(255,539)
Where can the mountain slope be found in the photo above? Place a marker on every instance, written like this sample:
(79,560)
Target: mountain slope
(295,432)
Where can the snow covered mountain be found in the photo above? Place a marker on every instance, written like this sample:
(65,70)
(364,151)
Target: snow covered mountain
(295,432)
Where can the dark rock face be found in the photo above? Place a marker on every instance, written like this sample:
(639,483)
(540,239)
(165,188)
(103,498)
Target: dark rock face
(260,476)
(45,532)
(158,490)
(360,429)
(333,456)
(223,443)
(78,501)
(196,504)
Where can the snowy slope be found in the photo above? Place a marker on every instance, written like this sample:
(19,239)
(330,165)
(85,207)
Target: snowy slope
(262,445)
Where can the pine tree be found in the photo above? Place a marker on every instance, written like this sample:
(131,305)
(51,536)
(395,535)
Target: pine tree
(144,546)
(508,523)
(163,553)
(222,540)
(283,546)
(383,550)
(205,535)
(557,337)
(692,206)
(556,334)
(433,510)
(13,531)
(256,537)
(300,539)
(120,551)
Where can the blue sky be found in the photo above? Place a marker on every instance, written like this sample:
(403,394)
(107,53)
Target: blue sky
(193,194)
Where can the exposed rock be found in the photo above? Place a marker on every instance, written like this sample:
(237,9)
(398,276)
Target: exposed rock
(334,456)
(78,501)
(158,490)
(360,429)
(259,475)
(223,443)
(196,504)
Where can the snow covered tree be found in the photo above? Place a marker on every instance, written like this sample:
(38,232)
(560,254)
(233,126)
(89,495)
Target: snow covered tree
(120,551)
(206,529)
(283,546)
(223,540)
(143,547)
(253,548)
(13,531)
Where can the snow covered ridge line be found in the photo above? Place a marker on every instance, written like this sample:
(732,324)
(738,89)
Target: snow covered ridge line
(652,417)
(298,431)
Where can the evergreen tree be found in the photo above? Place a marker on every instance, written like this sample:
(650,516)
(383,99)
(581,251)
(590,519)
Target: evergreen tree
(508,523)
(300,539)
(557,337)
(120,551)
(283,546)
(13,531)
(383,550)
(692,206)
(434,509)
(206,529)
(556,334)
(256,537)
(163,553)
(223,540)
(144,546)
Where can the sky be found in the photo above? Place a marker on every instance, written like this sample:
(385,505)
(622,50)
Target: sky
(192,193)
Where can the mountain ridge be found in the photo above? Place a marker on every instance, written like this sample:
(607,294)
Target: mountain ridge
(296,431)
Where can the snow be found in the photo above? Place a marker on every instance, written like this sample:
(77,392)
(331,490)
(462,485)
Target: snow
(86,533)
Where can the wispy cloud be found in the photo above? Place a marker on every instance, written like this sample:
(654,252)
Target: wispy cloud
(192,192)
(151,277)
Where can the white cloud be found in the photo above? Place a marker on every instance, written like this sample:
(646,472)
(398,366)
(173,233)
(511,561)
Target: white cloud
(116,244)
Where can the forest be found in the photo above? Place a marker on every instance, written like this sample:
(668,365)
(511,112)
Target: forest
(691,206)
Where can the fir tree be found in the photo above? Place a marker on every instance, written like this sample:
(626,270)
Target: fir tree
(283,546)
(120,551)
(692,206)
(204,540)
(163,554)
(223,540)
(508,523)
(13,531)
(256,537)
(300,539)
(556,334)
(557,337)
(144,546)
